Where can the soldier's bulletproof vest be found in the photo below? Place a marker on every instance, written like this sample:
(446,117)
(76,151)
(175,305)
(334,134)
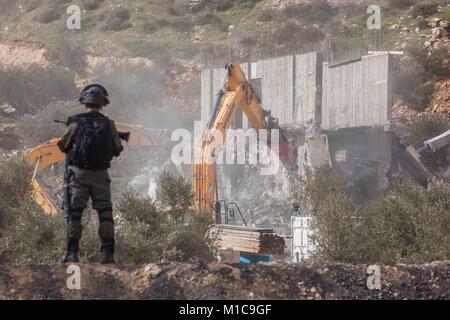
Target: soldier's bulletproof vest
(93,143)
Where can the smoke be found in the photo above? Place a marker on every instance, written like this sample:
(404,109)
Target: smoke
(143,92)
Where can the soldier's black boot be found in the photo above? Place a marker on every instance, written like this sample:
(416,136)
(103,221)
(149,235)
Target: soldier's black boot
(107,254)
(72,252)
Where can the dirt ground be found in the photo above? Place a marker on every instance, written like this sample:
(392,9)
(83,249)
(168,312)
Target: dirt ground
(222,281)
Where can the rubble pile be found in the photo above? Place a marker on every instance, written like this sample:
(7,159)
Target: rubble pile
(223,281)
(263,200)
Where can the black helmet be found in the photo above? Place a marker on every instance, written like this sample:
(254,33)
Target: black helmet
(95,94)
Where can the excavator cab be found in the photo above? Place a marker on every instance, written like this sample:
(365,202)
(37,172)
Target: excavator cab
(225,212)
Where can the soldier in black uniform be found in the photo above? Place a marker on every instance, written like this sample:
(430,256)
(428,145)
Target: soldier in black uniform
(90,143)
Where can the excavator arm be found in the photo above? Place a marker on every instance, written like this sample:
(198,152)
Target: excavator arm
(236,92)
(48,153)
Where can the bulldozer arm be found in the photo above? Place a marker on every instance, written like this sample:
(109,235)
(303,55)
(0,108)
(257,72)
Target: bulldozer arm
(237,92)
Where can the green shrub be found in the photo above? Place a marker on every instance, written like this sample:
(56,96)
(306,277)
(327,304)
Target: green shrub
(418,95)
(424,8)
(33,238)
(247,4)
(434,64)
(35,86)
(179,8)
(15,188)
(310,12)
(197,7)
(135,246)
(268,14)
(136,209)
(151,231)
(193,241)
(182,24)
(153,25)
(421,23)
(400,4)
(417,67)
(116,19)
(354,12)
(144,232)
(408,224)
(207,18)
(91,4)
(335,235)
(152,48)
(47,15)
(174,194)
(437,63)
(224,5)
(291,34)
(30,5)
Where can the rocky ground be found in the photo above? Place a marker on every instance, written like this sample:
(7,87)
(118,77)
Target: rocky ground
(221,281)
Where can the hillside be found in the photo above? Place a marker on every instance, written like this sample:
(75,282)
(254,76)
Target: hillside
(158,47)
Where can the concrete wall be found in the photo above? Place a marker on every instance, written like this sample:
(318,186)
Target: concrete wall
(206,99)
(277,82)
(358,93)
(299,91)
(308,69)
(290,88)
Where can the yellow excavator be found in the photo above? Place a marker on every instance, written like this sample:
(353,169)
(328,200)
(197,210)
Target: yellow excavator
(48,153)
(236,92)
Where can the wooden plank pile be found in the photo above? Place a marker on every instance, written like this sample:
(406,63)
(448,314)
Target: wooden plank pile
(249,239)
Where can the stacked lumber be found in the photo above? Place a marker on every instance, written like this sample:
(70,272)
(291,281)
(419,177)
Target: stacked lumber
(249,239)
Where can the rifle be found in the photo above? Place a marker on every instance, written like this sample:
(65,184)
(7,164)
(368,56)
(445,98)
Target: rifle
(122,135)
